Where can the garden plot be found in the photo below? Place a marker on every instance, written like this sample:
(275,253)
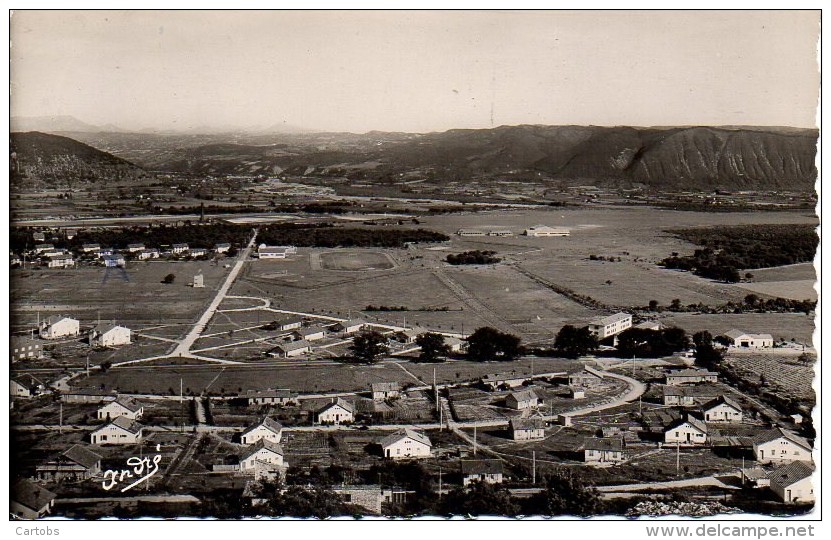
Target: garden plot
(793,376)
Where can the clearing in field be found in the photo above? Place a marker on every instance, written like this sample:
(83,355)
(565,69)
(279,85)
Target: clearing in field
(355,260)
(793,290)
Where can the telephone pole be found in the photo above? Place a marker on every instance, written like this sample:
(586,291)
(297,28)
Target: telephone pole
(534,467)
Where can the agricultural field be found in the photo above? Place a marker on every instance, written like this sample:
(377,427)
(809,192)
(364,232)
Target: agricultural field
(794,376)
(782,326)
(795,281)
(356,260)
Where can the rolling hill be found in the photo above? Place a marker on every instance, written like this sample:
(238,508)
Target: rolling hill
(54,160)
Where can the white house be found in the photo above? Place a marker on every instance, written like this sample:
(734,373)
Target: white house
(471,232)
(749,341)
(603,450)
(406,443)
(60,261)
(524,399)
(527,429)
(545,230)
(267,429)
(113,261)
(291,349)
(40,248)
(271,397)
(575,392)
(39,236)
(222,248)
(178,249)
(23,347)
(90,248)
(263,453)
(780,446)
(722,409)
(133,248)
(289,323)
(198,252)
(19,388)
(122,406)
(455,344)
(349,327)
(496,380)
(109,335)
(689,431)
(274,252)
(482,470)
(58,326)
(148,254)
(682,396)
(612,325)
(338,411)
(312,333)
(28,500)
(500,232)
(122,430)
(792,482)
(385,390)
(586,377)
(690,376)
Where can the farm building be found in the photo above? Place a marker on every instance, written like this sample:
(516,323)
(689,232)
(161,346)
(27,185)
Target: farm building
(349,327)
(88,395)
(90,248)
(39,236)
(122,406)
(77,463)
(40,248)
(291,349)
(263,453)
(649,325)
(576,393)
(456,344)
(222,248)
(148,254)
(603,450)
(755,477)
(23,347)
(605,327)
(21,388)
(545,230)
(312,333)
(288,323)
(722,409)
(266,429)
(30,501)
(409,335)
(779,446)
(135,248)
(368,497)
(524,399)
(689,431)
(180,248)
(122,430)
(471,232)
(527,429)
(109,335)
(113,261)
(690,376)
(497,380)
(501,232)
(792,482)
(406,443)
(681,396)
(60,261)
(338,411)
(481,470)
(586,377)
(198,281)
(270,397)
(385,390)
(266,252)
(58,326)
(743,340)
(198,252)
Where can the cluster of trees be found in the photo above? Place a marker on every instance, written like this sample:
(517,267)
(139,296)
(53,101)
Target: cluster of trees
(473,257)
(572,342)
(751,302)
(486,344)
(368,347)
(433,348)
(728,249)
(604,258)
(646,343)
(325,235)
(706,354)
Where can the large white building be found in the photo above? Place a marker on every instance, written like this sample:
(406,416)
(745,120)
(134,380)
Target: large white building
(262,454)
(23,347)
(744,340)
(686,432)
(58,326)
(60,261)
(122,430)
(792,482)
(267,429)
(780,446)
(275,252)
(406,443)
(545,230)
(612,325)
(336,412)
(291,349)
(722,409)
(109,335)
(122,406)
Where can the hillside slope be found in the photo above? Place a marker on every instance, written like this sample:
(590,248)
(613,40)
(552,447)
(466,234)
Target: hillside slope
(53,160)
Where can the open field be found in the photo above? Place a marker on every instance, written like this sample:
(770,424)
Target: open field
(794,376)
(356,260)
(795,289)
(785,326)
(792,272)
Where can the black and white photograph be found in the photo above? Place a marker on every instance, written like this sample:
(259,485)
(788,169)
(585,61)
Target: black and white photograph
(399,264)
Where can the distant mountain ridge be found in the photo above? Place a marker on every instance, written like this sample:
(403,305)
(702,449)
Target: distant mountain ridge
(53,160)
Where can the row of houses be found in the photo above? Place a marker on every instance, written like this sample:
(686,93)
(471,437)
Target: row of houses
(534,231)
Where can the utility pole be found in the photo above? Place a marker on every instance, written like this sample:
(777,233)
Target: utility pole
(182,404)
(677,459)
(439,482)
(474,439)
(435,390)
(60,418)
(534,467)
(87,364)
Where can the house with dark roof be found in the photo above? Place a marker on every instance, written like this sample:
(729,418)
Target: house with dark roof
(792,482)
(586,377)
(680,396)
(122,430)
(686,431)
(30,501)
(77,463)
(524,399)
(527,429)
(603,450)
(337,411)
(271,397)
(291,349)
(780,446)
(385,390)
(266,429)
(498,380)
(690,376)
(481,470)
(349,327)
(406,443)
(121,406)
(722,409)
(262,454)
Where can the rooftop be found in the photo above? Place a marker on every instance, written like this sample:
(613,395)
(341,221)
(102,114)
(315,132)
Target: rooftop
(481,466)
(404,434)
(31,495)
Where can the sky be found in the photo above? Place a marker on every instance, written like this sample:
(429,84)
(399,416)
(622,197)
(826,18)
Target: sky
(416,71)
